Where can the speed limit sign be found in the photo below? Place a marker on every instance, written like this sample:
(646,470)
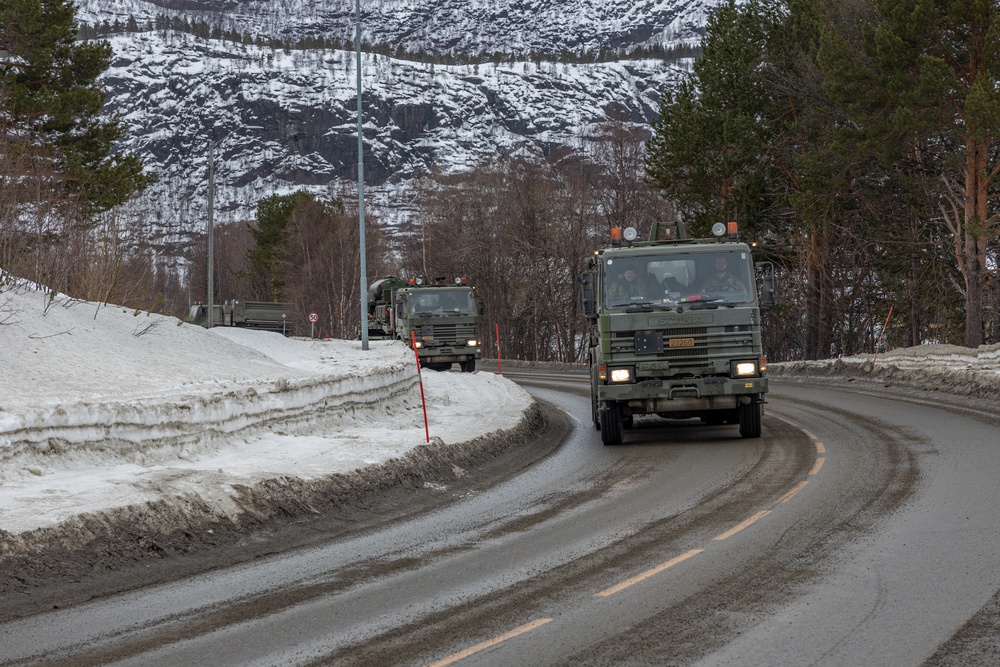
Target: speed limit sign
(314,317)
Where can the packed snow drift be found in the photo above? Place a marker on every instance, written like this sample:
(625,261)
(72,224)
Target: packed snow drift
(107,411)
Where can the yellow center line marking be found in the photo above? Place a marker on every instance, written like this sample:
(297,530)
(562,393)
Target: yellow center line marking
(817,466)
(809,435)
(461,655)
(743,525)
(820,449)
(795,489)
(787,421)
(647,574)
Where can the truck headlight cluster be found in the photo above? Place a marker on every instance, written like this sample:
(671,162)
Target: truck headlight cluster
(472,343)
(417,345)
(745,369)
(619,375)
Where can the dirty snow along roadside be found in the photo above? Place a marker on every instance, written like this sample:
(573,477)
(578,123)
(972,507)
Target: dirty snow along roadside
(104,407)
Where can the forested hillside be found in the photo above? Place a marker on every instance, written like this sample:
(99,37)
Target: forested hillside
(858,145)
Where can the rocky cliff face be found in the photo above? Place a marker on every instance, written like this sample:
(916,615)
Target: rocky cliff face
(283,119)
(280,121)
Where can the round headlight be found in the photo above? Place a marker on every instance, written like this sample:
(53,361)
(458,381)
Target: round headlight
(718,229)
(630,234)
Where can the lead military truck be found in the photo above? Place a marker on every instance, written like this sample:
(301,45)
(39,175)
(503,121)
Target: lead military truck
(675,330)
(442,317)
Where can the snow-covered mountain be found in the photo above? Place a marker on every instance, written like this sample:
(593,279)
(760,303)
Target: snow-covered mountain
(466,26)
(286,119)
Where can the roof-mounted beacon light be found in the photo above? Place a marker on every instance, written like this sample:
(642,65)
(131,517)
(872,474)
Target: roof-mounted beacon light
(616,236)
(732,231)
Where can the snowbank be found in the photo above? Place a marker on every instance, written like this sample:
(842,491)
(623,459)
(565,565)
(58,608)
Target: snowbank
(946,368)
(110,415)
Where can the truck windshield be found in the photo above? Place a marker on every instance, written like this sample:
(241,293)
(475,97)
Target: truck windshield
(442,302)
(715,277)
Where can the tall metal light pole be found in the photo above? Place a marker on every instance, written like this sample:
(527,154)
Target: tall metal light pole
(211,246)
(361,187)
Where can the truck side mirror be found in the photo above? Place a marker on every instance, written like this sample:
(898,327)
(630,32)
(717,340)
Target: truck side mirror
(769,286)
(587,295)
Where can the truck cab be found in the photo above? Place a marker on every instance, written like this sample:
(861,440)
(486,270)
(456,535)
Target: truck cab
(198,314)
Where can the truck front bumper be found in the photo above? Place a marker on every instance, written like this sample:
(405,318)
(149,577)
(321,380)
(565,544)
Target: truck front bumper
(684,395)
(447,354)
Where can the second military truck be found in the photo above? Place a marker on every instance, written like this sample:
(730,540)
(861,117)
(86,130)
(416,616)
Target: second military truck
(441,317)
(675,330)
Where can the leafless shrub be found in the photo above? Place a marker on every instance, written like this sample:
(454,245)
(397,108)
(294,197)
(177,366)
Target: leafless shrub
(321,264)
(143,329)
(68,332)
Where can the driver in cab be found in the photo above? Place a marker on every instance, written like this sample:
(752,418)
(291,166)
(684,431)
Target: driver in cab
(722,279)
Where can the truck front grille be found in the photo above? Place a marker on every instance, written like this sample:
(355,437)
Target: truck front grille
(698,347)
(440,335)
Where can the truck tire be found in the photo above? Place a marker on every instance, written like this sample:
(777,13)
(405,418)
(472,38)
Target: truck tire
(750,418)
(469,365)
(612,426)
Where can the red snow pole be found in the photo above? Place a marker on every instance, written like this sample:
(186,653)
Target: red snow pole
(420,379)
(881,333)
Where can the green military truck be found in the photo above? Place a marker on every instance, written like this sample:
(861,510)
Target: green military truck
(675,330)
(263,315)
(443,316)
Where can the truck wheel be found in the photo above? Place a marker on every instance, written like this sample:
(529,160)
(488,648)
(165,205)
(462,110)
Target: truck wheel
(750,418)
(612,427)
(469,365)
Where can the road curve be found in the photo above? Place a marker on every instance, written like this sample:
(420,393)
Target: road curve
(859,529)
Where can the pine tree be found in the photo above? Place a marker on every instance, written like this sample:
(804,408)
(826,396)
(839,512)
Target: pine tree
(707,140)
(50,104)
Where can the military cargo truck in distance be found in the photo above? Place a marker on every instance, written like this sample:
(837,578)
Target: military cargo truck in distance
(444,316)
(263,315)
(675,330)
